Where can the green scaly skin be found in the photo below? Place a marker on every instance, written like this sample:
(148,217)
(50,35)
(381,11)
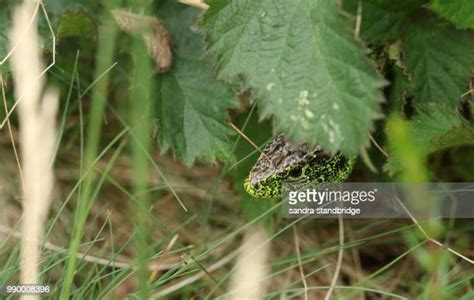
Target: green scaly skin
(285,166)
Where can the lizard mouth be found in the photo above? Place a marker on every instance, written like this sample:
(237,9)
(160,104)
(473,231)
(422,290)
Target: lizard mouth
(259,190)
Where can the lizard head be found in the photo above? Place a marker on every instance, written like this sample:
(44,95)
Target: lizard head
(287,166)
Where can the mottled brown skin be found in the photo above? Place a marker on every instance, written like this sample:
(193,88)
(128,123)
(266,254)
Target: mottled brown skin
(286,165)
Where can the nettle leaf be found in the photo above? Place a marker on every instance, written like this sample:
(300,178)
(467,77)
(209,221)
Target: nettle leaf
(440,59)
(303,66)
(459,12)
(192,104)
(437,128)
(382,20)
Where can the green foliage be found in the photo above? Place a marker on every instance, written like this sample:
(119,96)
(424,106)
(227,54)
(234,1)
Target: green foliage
(400,88)
(192,104)
(432,63)
(76,24)
(303,66)
(3,52)
(382,20)
(462,162)
(56,8)
(5,17)
(440,59)
(438,128)
(434,129)
(407,155)
(459,12)
(63,11)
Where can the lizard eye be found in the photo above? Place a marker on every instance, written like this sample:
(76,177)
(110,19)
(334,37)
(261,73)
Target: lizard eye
(295,173)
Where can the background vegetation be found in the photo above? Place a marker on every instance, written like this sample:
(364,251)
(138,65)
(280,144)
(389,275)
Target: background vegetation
(149,199)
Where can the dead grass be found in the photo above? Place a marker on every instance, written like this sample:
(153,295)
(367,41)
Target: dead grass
(37,115)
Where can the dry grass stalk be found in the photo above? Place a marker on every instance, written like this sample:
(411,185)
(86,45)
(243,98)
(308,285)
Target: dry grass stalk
(10,130)
(196,3)
(251,267)
(340,254)
(37,137)
(300,262)
(38,4)
(155,35)
(118,262)
(191,279)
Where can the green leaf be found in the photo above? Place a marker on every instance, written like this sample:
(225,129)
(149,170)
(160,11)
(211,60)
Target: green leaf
(462,162)
(382,20)
(192,104)
(303,66)
(434,129)
(406,154)
(56,8)
(399,91)
(76,24)
(440,59)
(459,12)
(439,128)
